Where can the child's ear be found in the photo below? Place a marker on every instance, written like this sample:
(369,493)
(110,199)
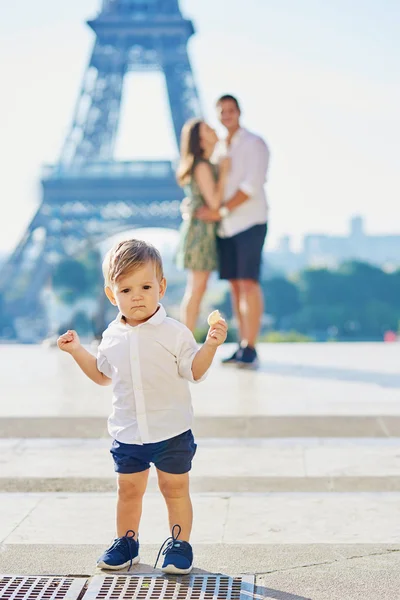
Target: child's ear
(163,287)
(110,295)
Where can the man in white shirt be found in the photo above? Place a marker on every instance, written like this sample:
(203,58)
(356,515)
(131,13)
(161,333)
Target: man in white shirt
(149,359)
(243,226)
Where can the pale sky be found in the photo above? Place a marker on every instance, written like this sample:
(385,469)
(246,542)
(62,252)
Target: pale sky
(319,80)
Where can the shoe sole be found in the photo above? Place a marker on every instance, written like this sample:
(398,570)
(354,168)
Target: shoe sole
(229,362)
(103,565)
(172,570)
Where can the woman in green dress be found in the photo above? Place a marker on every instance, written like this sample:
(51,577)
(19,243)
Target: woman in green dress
(203,183)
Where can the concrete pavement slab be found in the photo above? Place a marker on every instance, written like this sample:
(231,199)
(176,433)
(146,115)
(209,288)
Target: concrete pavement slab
(352,459)
(14,509)
(245,518)
(297,379)
(90,518)
(287,569)
(60,458)
(45,458)
(361,577)
(313,518)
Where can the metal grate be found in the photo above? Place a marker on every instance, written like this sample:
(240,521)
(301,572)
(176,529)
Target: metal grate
(14,587)
(193,587)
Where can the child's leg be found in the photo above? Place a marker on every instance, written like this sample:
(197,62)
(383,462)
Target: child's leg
(175,489)
(131,488)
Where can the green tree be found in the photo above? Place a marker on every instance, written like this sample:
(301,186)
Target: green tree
(359,300)
(70,280)
(281,299)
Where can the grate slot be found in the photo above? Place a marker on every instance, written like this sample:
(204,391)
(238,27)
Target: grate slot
(17,587)
(188,587)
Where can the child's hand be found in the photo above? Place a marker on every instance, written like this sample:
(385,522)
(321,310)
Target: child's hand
(69,342)
(217,333)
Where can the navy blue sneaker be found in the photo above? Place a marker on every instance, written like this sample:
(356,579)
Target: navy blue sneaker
(232,360)
(178,555)
(248,359)
(123,551)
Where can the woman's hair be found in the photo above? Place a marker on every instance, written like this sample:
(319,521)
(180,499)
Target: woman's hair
(190,150)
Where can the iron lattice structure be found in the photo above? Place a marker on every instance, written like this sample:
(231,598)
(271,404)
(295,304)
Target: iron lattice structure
(88,195)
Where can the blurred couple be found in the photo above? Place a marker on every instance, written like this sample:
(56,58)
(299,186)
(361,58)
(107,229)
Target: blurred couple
(225,216)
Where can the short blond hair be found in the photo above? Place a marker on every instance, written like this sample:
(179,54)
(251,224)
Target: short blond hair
(128,256)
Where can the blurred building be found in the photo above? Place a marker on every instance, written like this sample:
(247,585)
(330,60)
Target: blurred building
(320,250)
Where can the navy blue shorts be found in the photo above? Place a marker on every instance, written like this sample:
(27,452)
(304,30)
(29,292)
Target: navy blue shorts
(240,256)
(171,456)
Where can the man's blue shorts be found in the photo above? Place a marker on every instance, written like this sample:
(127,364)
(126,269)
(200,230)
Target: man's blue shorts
(240,256)
(171,456)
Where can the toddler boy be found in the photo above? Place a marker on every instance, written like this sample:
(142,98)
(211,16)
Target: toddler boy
(149,359)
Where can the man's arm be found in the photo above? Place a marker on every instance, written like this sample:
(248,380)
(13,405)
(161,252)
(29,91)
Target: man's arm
(256,167)
(69,342)
(256,161)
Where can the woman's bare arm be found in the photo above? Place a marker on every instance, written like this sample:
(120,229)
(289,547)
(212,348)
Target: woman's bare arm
(211,190)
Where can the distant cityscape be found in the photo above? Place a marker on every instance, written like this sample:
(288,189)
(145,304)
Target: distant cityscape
(318,250)
(323,250)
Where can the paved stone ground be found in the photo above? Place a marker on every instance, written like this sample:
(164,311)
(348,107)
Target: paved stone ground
(296,478)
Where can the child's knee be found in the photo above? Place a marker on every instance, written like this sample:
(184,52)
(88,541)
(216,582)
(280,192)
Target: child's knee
(130,489)
(174,486)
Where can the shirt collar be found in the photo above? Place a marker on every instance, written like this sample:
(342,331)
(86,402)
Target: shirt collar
(156,319)
(158,316)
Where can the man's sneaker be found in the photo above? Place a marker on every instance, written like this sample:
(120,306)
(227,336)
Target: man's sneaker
(232,360)
(178,555)
(123,551)
(248,359)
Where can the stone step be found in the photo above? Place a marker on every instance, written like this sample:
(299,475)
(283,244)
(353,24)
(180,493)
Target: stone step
(309,380)
(213,426)
(221,484)
(220,465)
(275,518)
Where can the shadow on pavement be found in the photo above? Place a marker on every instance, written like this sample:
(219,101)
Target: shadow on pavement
(388,380)
(248,591)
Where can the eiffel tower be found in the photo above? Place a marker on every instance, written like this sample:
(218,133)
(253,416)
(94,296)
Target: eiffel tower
(87,195)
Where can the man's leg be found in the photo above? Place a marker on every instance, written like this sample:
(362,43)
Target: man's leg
(235,298)
(227,259)
(249,251)
(251,310)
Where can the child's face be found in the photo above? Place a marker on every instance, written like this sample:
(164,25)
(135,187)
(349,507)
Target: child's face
(137,294)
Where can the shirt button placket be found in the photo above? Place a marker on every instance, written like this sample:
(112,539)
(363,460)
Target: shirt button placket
(138,388)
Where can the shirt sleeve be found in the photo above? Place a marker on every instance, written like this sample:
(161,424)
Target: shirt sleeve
(256,166)
(186,351)
(102,363)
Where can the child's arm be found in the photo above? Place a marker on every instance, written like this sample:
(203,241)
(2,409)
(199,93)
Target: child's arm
(204,357)
(69,342)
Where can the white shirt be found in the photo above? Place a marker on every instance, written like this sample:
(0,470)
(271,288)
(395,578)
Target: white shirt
(250,158)
(150,366)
